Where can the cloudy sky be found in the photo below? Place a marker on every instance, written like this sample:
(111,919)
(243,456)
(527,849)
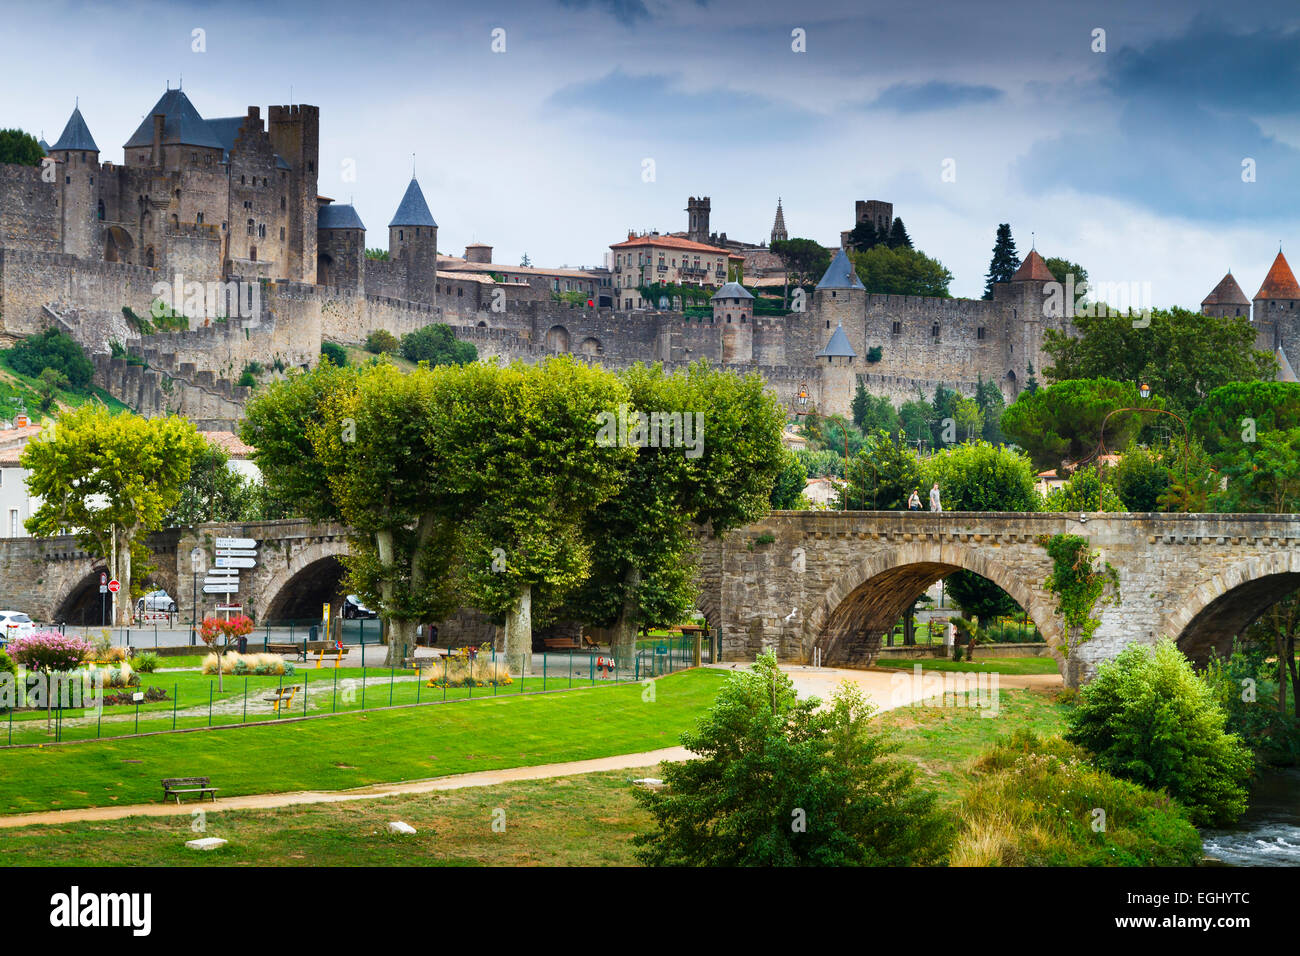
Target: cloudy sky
(1128,160)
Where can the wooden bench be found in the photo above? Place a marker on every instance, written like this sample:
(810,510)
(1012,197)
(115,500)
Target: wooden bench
(561,644)
(334,654)
(175,786)
(588,642)
(294,649)
(282,697)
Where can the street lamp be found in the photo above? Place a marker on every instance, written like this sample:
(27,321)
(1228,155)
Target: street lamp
(196,564)
(803,399)
(1145,391)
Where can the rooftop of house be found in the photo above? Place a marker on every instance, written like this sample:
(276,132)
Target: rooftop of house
(668,242)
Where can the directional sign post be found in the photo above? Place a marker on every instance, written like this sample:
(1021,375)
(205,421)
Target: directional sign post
(235,543)
(223,562)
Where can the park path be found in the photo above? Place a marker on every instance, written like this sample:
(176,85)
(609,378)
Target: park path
(884,690)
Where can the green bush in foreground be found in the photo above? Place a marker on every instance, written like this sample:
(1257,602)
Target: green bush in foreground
(1148,718)
(779,782)
(1040,803)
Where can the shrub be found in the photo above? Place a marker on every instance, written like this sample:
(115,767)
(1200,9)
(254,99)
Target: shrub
(49,651)
(1034,803)
(381,342)
(335,353)
(437,345)
(1148,718)
(1273,735)
(52,349)
(7,666)
(472,667)
(146,663)
(785,782)
(1083,492)
(151,695)
(245,664)
(119,676)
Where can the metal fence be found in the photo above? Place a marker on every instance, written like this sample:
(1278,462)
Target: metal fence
(194,701)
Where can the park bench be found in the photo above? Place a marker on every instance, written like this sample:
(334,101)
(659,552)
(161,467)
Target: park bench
(588,642)
(293,649)
(175,786)
(561,644)
(334,654)
(282,697)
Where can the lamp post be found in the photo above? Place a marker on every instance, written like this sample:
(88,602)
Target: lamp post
(196,562)
(1144,390)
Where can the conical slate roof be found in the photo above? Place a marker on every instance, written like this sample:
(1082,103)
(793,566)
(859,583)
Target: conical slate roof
(1280,282)
(1227,292)
(838,346)
(43,145)
(182,124)
(841,275)
(413,210)
(1033,268)
(338,216)
(76,135)
(1285,373)
(732,290)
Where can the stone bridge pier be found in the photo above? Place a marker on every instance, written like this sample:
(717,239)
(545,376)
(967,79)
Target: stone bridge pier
(839,581)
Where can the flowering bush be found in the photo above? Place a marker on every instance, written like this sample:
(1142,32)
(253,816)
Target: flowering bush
(471,667)
(216,629)
(49,651)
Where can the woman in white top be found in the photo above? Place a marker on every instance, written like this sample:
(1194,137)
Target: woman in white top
(935,505)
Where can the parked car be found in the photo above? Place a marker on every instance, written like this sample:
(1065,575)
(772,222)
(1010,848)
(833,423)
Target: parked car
(353,608)
(157,602)
(14,624)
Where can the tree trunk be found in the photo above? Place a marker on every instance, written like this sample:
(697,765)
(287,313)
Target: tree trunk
(622,640)
(519,633)
(909,627)
(401,637)
(122,600)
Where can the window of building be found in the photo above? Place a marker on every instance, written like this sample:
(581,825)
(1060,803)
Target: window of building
(252,253)
(198,217)
(261,230)
(282,233)
(897,328)
(67,180)
(934,330)
(282,203)
(13,522)
(979,333)
(400,237)
(250,227)
(460,292)
(99,211)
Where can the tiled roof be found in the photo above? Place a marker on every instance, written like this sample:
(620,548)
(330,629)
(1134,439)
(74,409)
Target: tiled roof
(1227,292)
(464,265)
(840,274)
(76,135)
(182,124)
(1033,268)
(413,210)
(335,216)
(230,443)
(669,242)
(1280,282)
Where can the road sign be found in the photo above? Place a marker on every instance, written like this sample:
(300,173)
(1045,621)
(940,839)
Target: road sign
(223,582)
(230,607)
(114,586)
(236,563)
(221,589)
(222,572)
(235,543)
(236,553)
(103,589)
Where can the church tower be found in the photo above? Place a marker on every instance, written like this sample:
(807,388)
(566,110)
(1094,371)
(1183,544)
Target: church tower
(697,219)
(413,239)
(778,226)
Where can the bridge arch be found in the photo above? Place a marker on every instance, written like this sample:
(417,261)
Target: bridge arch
(1224,604)
(866,600)
(312,576)
(80,605)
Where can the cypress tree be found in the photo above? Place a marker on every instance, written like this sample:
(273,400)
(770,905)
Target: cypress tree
(898,237)
(1005,261)
(864,236)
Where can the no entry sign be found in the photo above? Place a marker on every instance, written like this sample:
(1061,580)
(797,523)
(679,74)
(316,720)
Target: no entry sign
(114,586)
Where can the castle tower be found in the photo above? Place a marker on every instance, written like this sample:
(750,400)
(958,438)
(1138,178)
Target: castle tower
(77,160)
(1032,309)
(295,136)
(341,247)
(733,311)
(697,219)
(413,238)
(838,374)
(1277,312)
(1226,299)
(778,226)
(840,299)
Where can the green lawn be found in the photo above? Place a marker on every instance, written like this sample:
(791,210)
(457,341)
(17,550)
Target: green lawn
(585,820)
(355,749)
(992,665)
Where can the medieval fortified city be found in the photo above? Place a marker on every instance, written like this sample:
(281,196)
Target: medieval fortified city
(956,527)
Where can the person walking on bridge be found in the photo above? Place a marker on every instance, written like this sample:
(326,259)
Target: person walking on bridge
(914,502)
(935,504)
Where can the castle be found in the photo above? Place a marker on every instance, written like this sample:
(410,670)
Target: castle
(86,244)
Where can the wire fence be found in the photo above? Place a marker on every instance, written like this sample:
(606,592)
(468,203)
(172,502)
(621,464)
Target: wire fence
(192,700)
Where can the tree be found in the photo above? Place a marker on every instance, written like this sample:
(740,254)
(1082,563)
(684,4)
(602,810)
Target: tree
(52,349)
(805,260)
(1140,478)
(381,342)
(1147,717)
(915,418)
(787,490)
(1182,355)
(20,148)
(1031,380)
(51,380)
(979,477)
(437,345)
(872,412)
(1061,268)
(220,635)
(882,475)
(943,427)
(785,782)
(335,353)
(111,478)
(969,418)
(901,270)
(979,597)
(1233,414)
(49,653)
(1085,491)
(643,537)
(898,237)
(991,404)
(1263,475)
(864,236)
(1063,422)
(214,492)
(1005,260)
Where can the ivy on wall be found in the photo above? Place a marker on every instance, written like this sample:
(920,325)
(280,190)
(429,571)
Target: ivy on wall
(1078,583)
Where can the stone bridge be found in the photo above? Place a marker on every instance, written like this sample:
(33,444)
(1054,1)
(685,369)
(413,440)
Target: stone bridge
(839,581)
(796,580)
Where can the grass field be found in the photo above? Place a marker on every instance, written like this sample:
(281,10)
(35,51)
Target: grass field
(994,665)
(585,820)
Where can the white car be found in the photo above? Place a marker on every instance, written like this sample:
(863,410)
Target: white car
(14,624)
(157,601)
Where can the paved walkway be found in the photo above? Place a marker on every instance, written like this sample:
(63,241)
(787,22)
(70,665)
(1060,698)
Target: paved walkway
(886,690)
